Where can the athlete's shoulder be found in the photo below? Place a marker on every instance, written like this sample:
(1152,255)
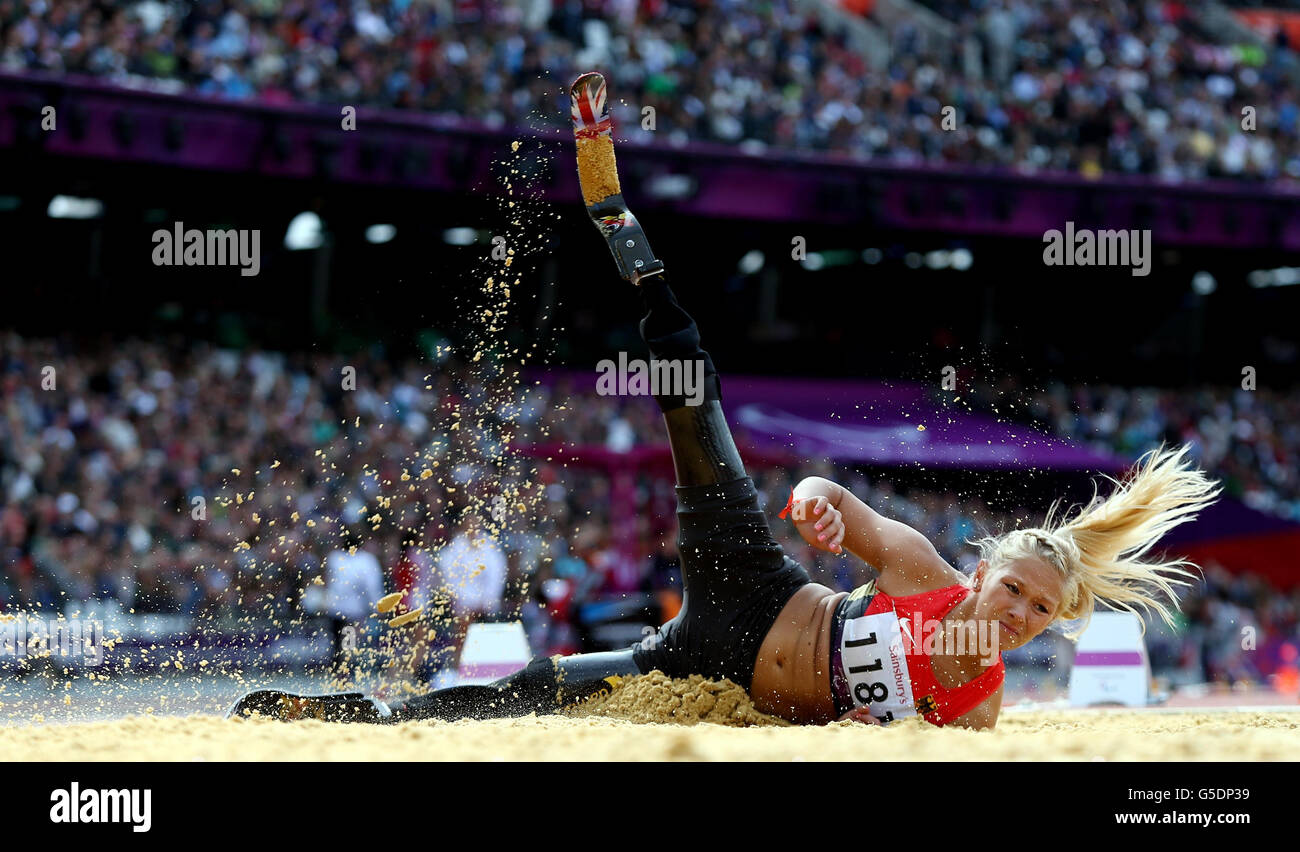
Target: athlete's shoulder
(939,584)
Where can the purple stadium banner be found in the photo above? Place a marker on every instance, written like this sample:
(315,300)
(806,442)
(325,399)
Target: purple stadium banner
(873,423)
(891,424)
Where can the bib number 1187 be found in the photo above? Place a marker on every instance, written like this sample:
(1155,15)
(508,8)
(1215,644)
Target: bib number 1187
(864,691)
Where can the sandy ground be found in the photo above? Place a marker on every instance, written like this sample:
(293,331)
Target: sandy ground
(1043,735)
(657,719)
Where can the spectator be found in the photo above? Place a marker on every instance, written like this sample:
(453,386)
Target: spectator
(472,568)
(354,583)
(1101,87)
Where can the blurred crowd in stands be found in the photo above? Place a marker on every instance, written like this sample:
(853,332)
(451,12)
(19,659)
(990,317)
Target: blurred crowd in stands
(1091,88)
(1250,439)
(242,487)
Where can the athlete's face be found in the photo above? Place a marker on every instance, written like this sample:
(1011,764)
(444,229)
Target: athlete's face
(1021,596)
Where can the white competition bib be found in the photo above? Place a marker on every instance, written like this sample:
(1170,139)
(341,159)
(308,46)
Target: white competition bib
(875,665)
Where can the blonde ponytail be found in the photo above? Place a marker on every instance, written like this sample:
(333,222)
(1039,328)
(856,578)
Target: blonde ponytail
(1099,551)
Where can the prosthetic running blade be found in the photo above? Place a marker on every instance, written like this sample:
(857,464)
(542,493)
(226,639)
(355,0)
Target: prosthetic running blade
(598,174)
(287,707)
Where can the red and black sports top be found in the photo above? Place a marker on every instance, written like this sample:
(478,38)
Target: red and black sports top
(877,663)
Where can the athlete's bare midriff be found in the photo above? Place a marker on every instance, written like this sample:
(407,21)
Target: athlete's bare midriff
(792,677)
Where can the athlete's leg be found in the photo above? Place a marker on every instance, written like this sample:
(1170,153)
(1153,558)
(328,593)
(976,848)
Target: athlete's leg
(544,686)
(735,576)
(702,447)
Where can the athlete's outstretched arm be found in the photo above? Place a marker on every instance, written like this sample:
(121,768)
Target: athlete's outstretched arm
(906,560)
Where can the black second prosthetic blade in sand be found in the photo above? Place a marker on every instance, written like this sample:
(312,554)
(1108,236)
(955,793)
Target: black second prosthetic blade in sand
(288,707)
(598,175)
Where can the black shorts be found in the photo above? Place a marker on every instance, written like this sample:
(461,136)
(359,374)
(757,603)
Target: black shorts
(735,578)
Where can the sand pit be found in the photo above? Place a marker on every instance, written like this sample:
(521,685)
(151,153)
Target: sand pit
(673,725)
(1083,735)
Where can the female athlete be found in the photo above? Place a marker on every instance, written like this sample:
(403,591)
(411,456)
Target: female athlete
(810,655)
(752,614)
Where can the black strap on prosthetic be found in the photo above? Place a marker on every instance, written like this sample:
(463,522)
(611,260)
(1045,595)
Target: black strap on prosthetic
(544,686)
(671,335)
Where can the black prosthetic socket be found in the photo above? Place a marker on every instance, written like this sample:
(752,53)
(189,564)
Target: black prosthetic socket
(703,450)
(544,686)
(672,335)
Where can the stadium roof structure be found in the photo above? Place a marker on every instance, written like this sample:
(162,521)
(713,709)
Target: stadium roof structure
(419,153)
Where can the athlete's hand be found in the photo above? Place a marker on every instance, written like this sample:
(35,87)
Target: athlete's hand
(822,525)
(860,714)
